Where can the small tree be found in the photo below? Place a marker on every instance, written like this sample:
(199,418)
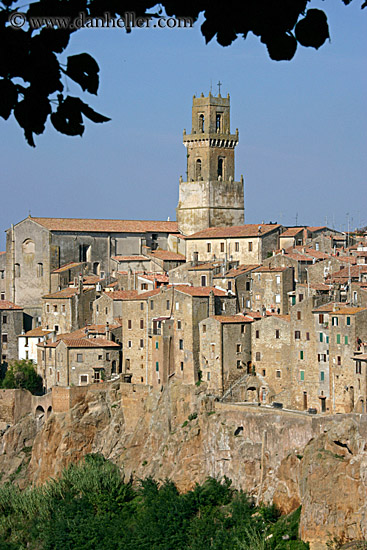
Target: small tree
(22,374)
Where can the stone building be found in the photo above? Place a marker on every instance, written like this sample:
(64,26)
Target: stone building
(28,341)
(35,247)
(77,361)
(270,288)
(245,244)
(68,309)
(12,322)
(271,357)
(225,350)
(237,280)
(210,196)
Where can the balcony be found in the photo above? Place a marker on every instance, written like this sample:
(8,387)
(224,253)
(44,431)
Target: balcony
(154,331)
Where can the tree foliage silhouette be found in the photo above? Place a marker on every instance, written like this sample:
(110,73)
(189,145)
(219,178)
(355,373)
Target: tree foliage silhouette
(31,84)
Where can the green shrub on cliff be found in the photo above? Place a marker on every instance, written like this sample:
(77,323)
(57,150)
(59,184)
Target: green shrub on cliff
(22,374)
(91,508)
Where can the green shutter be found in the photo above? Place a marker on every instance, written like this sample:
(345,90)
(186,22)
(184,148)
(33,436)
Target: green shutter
(321,337)
(327,339)
(338,338)
(346,340)
(322,376)
(348,321)
(301,354)
(302,373)
(157,366)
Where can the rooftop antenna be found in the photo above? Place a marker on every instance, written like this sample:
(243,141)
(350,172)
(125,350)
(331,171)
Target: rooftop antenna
(296,219)
(211,86)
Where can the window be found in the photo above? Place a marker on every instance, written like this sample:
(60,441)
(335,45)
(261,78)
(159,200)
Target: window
(321,336)
(243,328)
(322,376)
(144,286)
(208,247)
(141,343)
(179,326)
(236,246)
(297,335)
(141,306)
(293,300)
(263,372)
(180,344)
(177,306)
(238,348)
(203,280)
(277,334)
(218,123)
(302,375)
(229,285)
(108,356)
(348,321)
(106,310)
(79,357)
(301,355)
(277,298)
(5,319)
(307,335)
(2,296)
(358,367)
(100,357)
(334,321)
(299,316)
(157,366)
(300,297)
(204,329)
(257,334)
(129,344)
(258,356)
(167,304)
(277,279)
(43,355)
(317,246)
(239,365)
(141,323)
(157,345)
(339,360)
(201,123)
(151,304)
(55,308)
(250,246)
(48,308)
(278,374)
(257,297)
(2,274)
(338,338)
(222,247)
(17,270)
(39,270)
(321,318)
(327,339)
(56,328)
(220,167)
(4,338)
(198,169)
(208,376)
(181,366)
(346,340)
(129,324)
(248,285)
(83,379)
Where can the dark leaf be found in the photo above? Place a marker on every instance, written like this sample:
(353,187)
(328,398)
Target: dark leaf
(313,30)
(31,114)
(281,47)
(54,40)
(209,29)
(92,115)
(225,37)
(44,69)
(84,70)
(8,98)
(68,118)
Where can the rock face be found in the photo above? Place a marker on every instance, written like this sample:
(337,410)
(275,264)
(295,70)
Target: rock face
(183,434)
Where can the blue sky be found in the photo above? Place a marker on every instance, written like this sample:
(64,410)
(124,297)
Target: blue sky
(302,124)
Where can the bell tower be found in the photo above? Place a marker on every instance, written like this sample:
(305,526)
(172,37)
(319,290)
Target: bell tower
(210,197)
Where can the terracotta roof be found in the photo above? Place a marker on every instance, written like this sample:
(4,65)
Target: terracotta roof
(236,271)
(91,279)
(4,252)
(67,266)
(340,309)
(89,343)
(313,229)
(159,277)
(225,319)
(347,259)
(315,286)
(36,332)
(200,290)
(5,304)
(82,332)
(353,272)
(298,257)
(146,295)
(68,292)
(292,232)
(249,230)
(167,255)
(136,258)
(106,226)
(205,266)
(122,294)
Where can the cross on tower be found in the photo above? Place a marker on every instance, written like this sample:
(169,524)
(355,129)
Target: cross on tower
(219,85)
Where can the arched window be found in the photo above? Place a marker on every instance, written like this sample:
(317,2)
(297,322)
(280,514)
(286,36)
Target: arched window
(201,123)
(39,270)
(198,169)
(220,167)
(17,270)
(96,268)
(218,123)
(28,247)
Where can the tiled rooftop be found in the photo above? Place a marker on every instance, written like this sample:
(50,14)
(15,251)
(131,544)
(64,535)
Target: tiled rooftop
(106,226)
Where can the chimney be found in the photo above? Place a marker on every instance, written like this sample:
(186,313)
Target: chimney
(211,303)
(195,259)
(80,284)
